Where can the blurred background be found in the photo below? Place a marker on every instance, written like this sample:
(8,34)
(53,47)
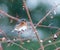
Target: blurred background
(37,9)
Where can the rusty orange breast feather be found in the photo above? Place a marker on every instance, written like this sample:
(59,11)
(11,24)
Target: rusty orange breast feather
(21,24)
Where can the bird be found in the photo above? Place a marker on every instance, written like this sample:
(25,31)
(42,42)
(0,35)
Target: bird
(22,26)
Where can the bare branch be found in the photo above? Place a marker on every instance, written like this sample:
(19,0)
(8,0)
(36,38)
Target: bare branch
(48,27)
(36,33)
(12,41)
(51,37)
(1,48)
(4,13)
(46,15)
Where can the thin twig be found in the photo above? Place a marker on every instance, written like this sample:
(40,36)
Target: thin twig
(13,41)
(51,37)
(19,45)
(1,48)
(50,44)
(46,15)
(4,13)
(36,33)
(48,26)
(4,33)
(9,17)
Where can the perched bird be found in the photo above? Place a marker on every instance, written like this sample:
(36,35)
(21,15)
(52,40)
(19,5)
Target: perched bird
(22,26)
